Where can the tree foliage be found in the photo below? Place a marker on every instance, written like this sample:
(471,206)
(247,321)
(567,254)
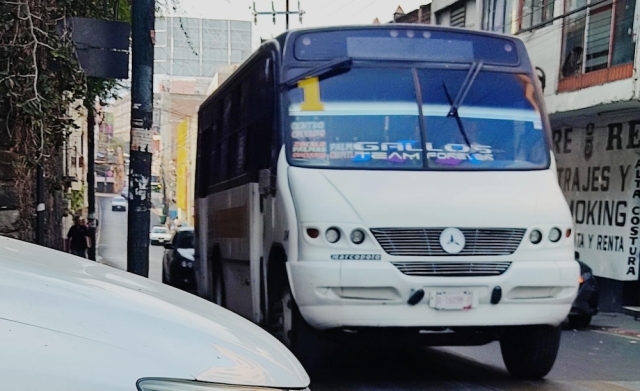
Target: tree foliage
(40,82)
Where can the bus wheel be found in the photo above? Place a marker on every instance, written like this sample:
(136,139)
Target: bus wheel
(286,320)
(295,333)
(529,352)
(218,287)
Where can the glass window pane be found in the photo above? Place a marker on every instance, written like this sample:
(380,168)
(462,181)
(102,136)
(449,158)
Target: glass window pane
(573,39)
(623,45)
(364,125)
(598,37)
(526,14)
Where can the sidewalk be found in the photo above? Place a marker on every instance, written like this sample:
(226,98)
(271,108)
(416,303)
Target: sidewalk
(616,323)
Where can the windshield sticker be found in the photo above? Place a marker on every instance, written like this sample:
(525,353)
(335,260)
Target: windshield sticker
(309,150)
(308,129)
(365,151)
(454,154)
(311,94)
(341,151)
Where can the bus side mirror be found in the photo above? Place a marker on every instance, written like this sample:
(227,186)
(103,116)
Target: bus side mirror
(542,77)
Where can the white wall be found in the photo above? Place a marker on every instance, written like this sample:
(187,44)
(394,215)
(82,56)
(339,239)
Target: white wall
(545,50)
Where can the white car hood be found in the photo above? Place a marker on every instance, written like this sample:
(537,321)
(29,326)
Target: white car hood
(62,316)
(385,199)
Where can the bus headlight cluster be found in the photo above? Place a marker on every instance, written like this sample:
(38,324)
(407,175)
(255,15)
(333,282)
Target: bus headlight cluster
(332,235)
(357,236)
(535,236)
(554,235)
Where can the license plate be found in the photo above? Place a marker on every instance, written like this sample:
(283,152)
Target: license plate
(451,300)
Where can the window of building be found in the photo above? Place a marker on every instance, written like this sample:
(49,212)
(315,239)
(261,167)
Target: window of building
(535,12)
(598,37)
(511,16)
(458,15)
(497,16)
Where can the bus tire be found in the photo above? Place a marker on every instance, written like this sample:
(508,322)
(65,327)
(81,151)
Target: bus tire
(217,280)
(529,352)
(295,333)
(218,289)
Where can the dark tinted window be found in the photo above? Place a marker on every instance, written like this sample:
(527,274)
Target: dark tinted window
(241,123)
(185,239)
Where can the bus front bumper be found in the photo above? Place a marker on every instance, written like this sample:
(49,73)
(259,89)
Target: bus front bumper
(342,294)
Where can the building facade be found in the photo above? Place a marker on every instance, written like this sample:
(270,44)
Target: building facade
(190,47)
(586,52)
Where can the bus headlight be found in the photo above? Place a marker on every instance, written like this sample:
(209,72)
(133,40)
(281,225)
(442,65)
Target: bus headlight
(332,235)
(554,235)
(535,236)
(357,236)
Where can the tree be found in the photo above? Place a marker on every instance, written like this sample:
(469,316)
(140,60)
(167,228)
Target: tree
(40,81)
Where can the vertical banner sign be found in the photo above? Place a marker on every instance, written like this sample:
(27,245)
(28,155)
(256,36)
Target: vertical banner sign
(182,163)
(599,173)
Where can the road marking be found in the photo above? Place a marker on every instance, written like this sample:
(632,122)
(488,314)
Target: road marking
(633,335)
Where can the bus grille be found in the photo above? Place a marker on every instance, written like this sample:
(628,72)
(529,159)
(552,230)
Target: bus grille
(451,269)
(426,241)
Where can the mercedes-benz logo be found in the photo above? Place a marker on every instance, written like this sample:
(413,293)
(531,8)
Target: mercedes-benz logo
(452,240)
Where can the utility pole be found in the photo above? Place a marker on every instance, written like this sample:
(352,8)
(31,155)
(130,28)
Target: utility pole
(286,15)
(91,177)
(273,13)
(143,39)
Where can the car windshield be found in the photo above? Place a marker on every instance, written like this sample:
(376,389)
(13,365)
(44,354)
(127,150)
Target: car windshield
(160,230)
(186,239)
(369,118)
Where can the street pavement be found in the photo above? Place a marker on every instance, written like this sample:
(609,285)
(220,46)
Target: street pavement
(602,358)
(112,245)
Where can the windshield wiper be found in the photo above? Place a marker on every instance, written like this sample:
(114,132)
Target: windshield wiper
(462,93)
(423,125)
(343,62)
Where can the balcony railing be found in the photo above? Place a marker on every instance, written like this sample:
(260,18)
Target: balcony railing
(602,76)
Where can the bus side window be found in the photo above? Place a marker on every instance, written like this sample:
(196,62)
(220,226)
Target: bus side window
(213,145)
(261,111)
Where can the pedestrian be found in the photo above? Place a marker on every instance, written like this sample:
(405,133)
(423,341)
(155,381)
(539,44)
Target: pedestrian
(79,240)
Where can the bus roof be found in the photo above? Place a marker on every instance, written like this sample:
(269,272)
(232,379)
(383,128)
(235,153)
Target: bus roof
(402,42)
(286,41)
(282,38)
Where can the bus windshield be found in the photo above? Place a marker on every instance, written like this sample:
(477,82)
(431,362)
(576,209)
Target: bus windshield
(370,118)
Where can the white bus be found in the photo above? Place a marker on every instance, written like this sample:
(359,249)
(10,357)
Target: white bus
(390,180)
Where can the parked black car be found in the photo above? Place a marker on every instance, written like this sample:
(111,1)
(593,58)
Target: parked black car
(586,303)
(177,265)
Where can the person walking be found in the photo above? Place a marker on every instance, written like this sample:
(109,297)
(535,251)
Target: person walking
(79,240)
